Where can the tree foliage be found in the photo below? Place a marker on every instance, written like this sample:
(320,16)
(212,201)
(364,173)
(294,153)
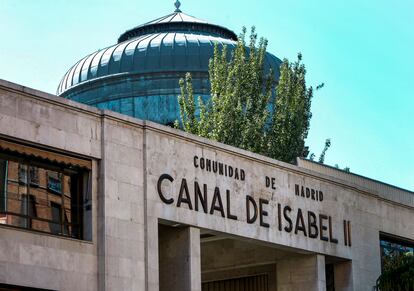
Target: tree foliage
(325,149)
(398,274)
(346,169)
(248,108)
(321,158)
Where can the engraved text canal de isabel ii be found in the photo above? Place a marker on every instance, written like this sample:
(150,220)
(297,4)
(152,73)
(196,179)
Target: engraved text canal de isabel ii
(289,219)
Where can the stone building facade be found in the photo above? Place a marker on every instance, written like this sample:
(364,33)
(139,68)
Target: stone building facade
(95,200)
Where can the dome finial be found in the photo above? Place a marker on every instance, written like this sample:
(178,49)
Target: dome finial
(177,5)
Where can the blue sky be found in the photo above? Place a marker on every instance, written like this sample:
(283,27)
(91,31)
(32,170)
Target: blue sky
(362,51)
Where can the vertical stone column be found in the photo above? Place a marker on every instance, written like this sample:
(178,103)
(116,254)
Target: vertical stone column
(305,272)
(121,220)
(179,259)
(152,255)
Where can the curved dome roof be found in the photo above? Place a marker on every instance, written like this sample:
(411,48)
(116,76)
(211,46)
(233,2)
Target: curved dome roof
(174,43)
(178,21)
(151,53)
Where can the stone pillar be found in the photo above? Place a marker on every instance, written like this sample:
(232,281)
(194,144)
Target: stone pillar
(152,261)
(121,220)
(305,272)
(343,276)
(179,259)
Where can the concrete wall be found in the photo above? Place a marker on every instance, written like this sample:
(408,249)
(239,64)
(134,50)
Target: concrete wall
(226,258)
(368,214)
(179,258)
(129,156)
(41,260)
(115,258)
(383,190)
(121,242)
(301,273)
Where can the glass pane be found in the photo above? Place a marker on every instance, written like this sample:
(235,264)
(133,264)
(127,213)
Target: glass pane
(23,174)
(54,182)
(40,225)
(55,226)
(3,180)
(393,247)
(34,176)
(27,209)
(17,190)
(38,198)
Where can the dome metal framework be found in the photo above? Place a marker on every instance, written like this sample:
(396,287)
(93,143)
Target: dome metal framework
(139,76)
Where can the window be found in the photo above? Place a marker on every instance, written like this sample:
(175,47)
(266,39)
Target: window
(392,246)
(56,226)
(54,182)
(22,174)
(28,210)
(37,194)
(32,178)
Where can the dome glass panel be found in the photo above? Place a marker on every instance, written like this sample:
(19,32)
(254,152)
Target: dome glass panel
(139,75)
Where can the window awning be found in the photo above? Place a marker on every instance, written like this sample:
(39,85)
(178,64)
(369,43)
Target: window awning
(44,154)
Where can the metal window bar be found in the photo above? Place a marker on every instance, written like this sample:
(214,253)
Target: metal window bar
(3,194)
(249,283)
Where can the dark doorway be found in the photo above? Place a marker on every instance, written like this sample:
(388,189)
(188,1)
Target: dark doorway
(330,279)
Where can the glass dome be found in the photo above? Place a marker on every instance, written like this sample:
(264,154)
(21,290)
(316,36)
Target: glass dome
(139,76)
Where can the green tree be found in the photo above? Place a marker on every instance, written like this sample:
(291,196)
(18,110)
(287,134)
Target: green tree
(291,112)
(248,108)
(398,273)
(325,149)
